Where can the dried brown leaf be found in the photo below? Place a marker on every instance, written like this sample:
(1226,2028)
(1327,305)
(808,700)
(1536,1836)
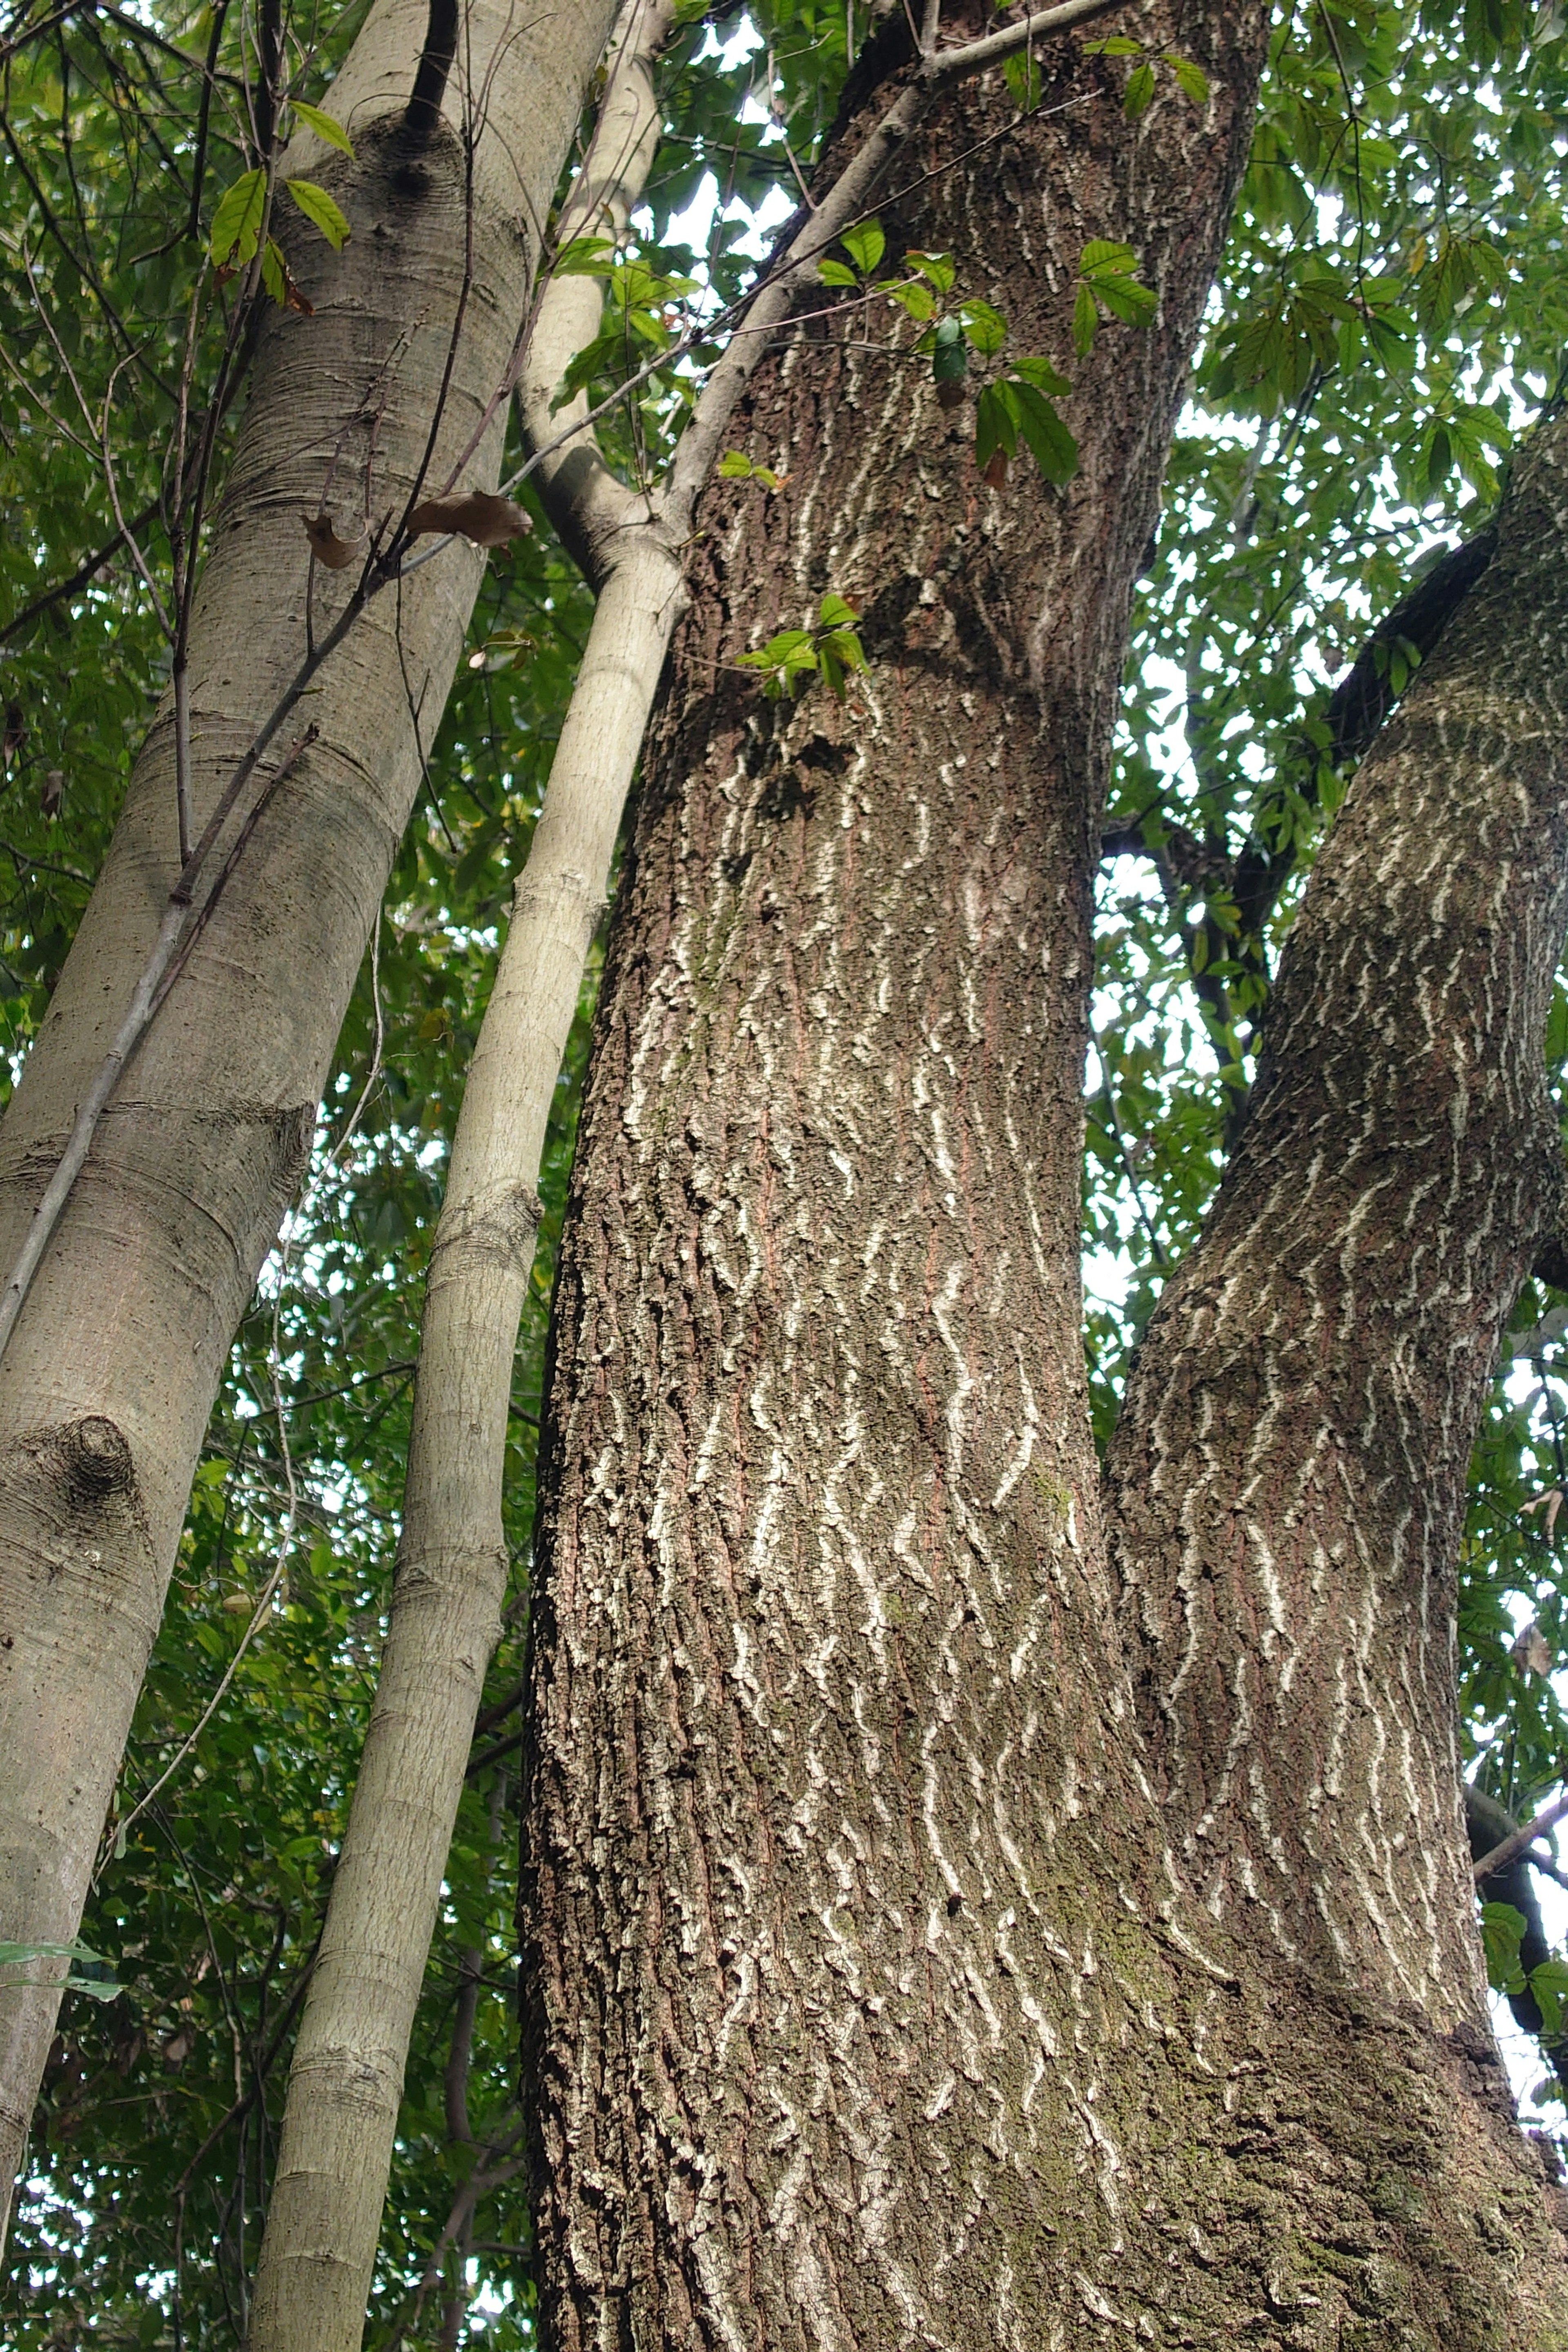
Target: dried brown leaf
(483,516)
(49,799)
(336,553)
(995,469)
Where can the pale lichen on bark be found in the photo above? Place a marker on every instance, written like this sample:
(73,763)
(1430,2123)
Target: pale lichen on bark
(869,1996)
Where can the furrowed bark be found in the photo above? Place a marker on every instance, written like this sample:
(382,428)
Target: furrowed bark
(347,2071)
(867,1998)
(1288,1475)
(828,1723)
(108,1378)
(345,2082)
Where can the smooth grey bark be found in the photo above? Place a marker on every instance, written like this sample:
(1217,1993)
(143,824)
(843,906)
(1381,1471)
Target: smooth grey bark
(876,1992)
(108,1378)
(345,2080)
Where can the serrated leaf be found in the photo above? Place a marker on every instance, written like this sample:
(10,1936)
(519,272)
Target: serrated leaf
(1549,1983)
(833,612)
(937,267)
(237,223)
(917,300)
(864,245)
(1139,91)
(1021,73)
(1084,321)
(321,209)
(1043,376)
(586,256)
(995,426)
(324,126)
(985,328)
(1104,257)
(1051,446)
(1502,1932)
(1126,299)
(278,284)
(1192,79)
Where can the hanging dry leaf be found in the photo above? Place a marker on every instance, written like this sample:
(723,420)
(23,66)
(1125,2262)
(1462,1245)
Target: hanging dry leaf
(336,553)
(1532,1650)
(483,516)
(995,469)
(1551,1503)
(53,793)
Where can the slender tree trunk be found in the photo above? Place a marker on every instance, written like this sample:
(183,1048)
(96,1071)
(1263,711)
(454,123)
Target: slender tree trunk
(345,2082)
(107,1382)
(879,1988)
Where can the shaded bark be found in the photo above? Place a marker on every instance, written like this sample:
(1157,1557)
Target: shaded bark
(878,1988)
(127,1326)
(1289,1473)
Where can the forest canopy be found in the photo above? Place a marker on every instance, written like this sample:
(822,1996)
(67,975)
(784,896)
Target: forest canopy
(1389,326)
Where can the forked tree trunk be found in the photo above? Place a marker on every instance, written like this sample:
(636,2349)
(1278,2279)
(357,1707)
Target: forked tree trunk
(107,1383)
(878,1988)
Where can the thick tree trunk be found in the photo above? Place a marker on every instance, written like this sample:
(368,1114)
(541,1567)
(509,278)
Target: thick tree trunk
(874,1992)
(107,1380)
(1288,1477)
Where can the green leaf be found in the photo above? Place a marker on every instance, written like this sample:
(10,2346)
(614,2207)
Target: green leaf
(1116,45)
(937,267)
(1043,376)
(1084,321)
(734,466)
(1051,446)
(1103,258)
(1549,1983)
(275,272)
(917,300)
(836,273)
(835,613)
(1192,79)
(791,648)
(237,223)
(865,245)
(996,423)
(323,209)
(1021,73)
(586,256)
(1502,1932)
(89,1972)
(1139,91)
(985,328)
(1128,301)
(949,359)
(324,125)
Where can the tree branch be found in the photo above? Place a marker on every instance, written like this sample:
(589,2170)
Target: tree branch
(423,116)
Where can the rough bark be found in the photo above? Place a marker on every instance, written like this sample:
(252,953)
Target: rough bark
(869,1999)
(1289,1471)
(108,1378)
